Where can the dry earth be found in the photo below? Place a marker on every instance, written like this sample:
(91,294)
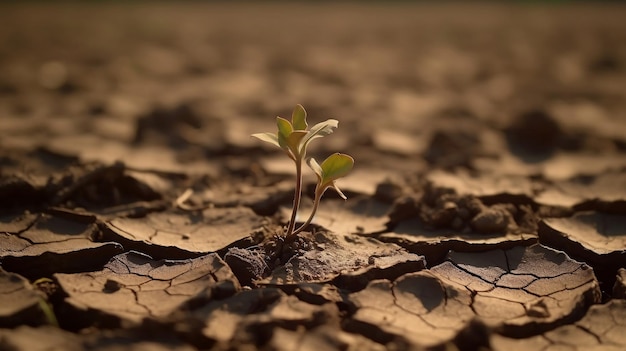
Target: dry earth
(486,210)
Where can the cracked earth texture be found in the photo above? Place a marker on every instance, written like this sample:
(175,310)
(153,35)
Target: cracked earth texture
(486,209)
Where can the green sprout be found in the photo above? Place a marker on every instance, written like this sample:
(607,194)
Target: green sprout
(294,138)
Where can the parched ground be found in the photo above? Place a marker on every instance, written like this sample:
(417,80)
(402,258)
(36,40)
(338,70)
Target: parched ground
(486,209)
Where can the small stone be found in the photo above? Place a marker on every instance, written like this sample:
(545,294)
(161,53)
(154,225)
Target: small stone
(535,131)
(449,205)
(111,286)
(473,205)
(443,217)
(490,221)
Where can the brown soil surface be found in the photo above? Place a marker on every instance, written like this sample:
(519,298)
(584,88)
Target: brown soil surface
(486,209)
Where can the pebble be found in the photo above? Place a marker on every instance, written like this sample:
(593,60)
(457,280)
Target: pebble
(490,221)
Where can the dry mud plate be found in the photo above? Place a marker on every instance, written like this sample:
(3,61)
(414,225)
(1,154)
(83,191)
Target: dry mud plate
(486,209)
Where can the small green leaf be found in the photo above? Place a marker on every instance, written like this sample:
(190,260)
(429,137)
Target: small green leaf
(336,166)
(298,118)
(268,138)
(284,130)
(284,126)
(324,128)
(319,130)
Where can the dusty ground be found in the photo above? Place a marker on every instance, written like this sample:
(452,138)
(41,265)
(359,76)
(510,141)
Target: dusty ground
(486,210)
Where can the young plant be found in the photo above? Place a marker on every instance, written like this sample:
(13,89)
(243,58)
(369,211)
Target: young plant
(294,138)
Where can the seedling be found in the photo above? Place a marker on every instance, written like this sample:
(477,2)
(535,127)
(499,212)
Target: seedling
(294,138)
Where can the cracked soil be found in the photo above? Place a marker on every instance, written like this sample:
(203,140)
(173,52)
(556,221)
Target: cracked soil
(486,209)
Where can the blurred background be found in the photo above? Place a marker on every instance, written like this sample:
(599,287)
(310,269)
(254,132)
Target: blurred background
(452,84)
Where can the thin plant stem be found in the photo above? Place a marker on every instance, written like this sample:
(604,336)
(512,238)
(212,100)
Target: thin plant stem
(296,199)
(316,204)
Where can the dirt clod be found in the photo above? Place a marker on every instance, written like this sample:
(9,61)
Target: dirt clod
(491,220)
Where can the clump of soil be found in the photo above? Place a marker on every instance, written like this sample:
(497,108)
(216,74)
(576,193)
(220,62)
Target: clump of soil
(257,262)
(534,132)
(349,261)
(441,208)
